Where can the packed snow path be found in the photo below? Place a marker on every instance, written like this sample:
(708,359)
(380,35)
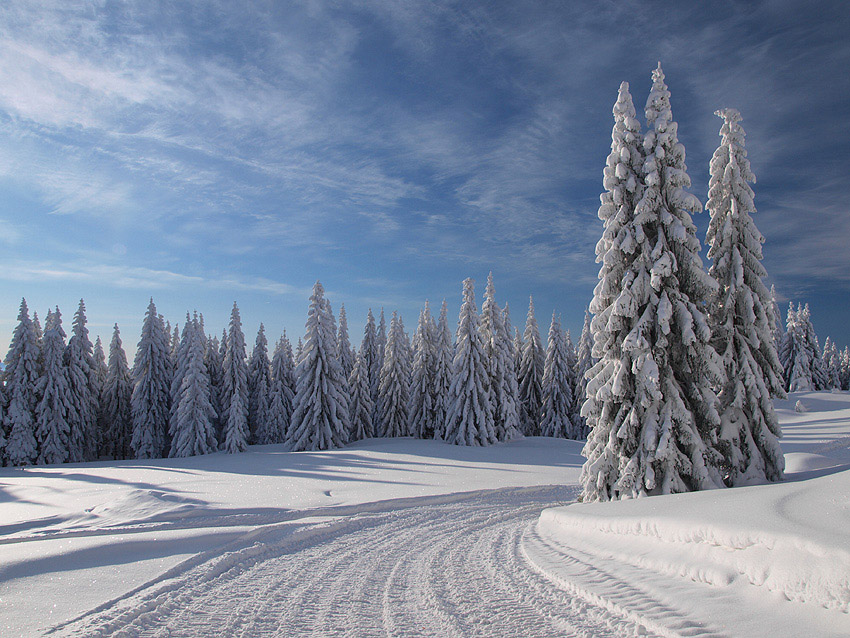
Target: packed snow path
(456,565)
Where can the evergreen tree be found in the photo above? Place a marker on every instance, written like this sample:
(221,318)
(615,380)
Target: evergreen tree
(395,383)
(214,363)
(470,417)
(21,377)
(150,402)
(831,364)
(235,395)
(442,383)
(845,369)
(742,317)
(174,344)
(530,375)
(36,325)
(299,352)
(572,381)
(104,432)
(504,390)
(282,391)
(584,362)
(179,368)
(51,425)
(518,348)
(117,396)
(360,404)
(556,413)
(346,354)
(422,399)
(259,391)
(778,329)
(651,409)
(381,344)
(84,392)
(800,353)
(194,432)
(371,357)
(820,381)
(320,416)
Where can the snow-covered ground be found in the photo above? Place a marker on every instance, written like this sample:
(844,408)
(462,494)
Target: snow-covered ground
(404,537)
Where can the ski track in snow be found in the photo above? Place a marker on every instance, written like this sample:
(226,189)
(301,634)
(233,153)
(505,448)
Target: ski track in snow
(454,567)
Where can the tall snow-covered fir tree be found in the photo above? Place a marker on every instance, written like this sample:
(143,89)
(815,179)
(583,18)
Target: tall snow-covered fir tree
(235,388)
(556,412)
(530,375)
(443,359)
(742,317)
(51,425)
(800,353)
(117,396)
(104,432)
(346,354)
(584,362)
(518,347)
(214,361)
(832,364)
(259,385)
(151,397)
(21,376)
(650,407)
(395,383)
(845,368)
(504,390)
(282,391)
(299,352)
(320,415)
(179,369)
(84,392)
(422,399)
(381,345)
(470,417)
(360,406)
(194,431)
(820,380)
(778,325)
(371,356)
(572,380)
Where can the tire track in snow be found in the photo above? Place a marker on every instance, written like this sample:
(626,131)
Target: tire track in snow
(450,568)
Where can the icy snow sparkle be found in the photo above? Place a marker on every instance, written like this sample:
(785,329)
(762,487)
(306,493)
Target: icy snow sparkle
(209,152)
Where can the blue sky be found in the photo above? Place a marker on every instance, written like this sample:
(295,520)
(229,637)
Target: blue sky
(208,152)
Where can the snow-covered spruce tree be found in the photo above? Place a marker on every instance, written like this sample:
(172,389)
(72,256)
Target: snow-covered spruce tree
(150,402)
(572,380)
(21,377)
(299,352)
(51,424)
(509,330)
(422,399)
(214,362)
(778,325)
(741,316)
(360,406)
(282,391)
(443,358)
(259,385)
(518,348)
(530,376)
(470,418)
(371,357)
(395,383)
(831,364)
(584,362)
(381,344)
(174,344)
(104,432)
(346,354)
(320,416)
(650,407)
(116,397)
(194,432)
(235,395)
(504,390)
(36,325)
(556,412)
(819,376)
(845,368)
(84,393)
(179,368)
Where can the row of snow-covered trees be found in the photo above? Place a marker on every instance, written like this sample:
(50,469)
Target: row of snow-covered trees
(188,393)
(680,398)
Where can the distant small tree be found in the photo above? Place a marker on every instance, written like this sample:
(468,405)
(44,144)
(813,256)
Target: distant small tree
(117,398)
(422,397)
(556,411)
(235,395)
(443,356)
(51,426)
(395,383)
(346,354)
(259,393)
(21,377)
(531,374)
(151,388)
(282,391)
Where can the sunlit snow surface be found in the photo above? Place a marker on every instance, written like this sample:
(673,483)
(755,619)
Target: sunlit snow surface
(404,537)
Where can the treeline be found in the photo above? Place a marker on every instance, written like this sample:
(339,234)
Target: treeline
(190,393)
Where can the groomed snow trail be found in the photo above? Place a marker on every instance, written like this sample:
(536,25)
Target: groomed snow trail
(453,566)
